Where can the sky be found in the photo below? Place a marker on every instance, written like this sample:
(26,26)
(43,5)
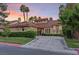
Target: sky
(36,9)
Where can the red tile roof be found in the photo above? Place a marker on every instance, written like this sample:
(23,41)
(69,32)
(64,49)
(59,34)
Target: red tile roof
(49,24)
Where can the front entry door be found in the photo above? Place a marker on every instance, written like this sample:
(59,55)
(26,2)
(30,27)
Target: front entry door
(39,31)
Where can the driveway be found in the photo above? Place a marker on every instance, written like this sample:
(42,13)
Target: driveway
(50,43)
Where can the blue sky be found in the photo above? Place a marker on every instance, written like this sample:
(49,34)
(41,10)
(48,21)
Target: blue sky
(36,9)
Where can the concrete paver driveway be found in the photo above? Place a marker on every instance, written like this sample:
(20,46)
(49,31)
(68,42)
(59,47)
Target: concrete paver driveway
(50,43)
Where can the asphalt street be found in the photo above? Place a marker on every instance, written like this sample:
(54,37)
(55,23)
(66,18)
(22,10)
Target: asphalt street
(11,50)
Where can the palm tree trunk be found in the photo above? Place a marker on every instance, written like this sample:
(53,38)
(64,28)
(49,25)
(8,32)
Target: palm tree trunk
(24,15)
(27,16)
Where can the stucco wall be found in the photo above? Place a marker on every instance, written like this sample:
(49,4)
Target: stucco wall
(15,29)
(20,29)
(1,30)
(54,30)
(30,28)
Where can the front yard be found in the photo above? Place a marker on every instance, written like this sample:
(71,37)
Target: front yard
(16,40)
(72,43)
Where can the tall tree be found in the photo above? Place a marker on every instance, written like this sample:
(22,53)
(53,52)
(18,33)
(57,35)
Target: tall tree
(70,19)
(3,15)
(76,17)
(61,10)
(66,17)
(31,19)
(3,7)
(27,10)
(23,10)
(19,20)
(39,18)
(35,18)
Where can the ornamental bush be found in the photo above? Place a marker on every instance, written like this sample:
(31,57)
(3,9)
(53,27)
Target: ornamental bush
(30,34)
(52,34)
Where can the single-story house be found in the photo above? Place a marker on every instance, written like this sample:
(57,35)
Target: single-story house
(44,25)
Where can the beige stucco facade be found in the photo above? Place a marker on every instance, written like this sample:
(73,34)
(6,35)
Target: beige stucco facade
(43,26)
(22,29)
(15,29)
(1,30)
(53,30)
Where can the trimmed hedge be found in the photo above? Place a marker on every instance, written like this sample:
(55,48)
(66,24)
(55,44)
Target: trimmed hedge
(29,34)
(0,33)
(52,35)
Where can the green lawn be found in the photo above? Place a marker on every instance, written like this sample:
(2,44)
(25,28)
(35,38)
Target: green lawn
(72,43)
(17,40)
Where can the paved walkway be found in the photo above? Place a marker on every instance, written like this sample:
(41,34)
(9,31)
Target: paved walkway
(50,43)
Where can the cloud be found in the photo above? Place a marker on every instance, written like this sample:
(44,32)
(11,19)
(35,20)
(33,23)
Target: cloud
(13,15)
(13,8)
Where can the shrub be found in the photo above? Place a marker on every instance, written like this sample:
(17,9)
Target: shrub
(67,33)
(30,34)
(6,32)
(52,34)
(17,34)
(0,33)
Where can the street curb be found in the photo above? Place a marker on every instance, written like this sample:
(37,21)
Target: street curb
(10,44)
(30,42)
(77,49)
(69,52)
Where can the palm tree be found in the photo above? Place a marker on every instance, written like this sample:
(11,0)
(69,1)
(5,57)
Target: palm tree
(27,10)
(19,20)
(31,19)
(23,9)
(35,17)
(39,18)
(50,18)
